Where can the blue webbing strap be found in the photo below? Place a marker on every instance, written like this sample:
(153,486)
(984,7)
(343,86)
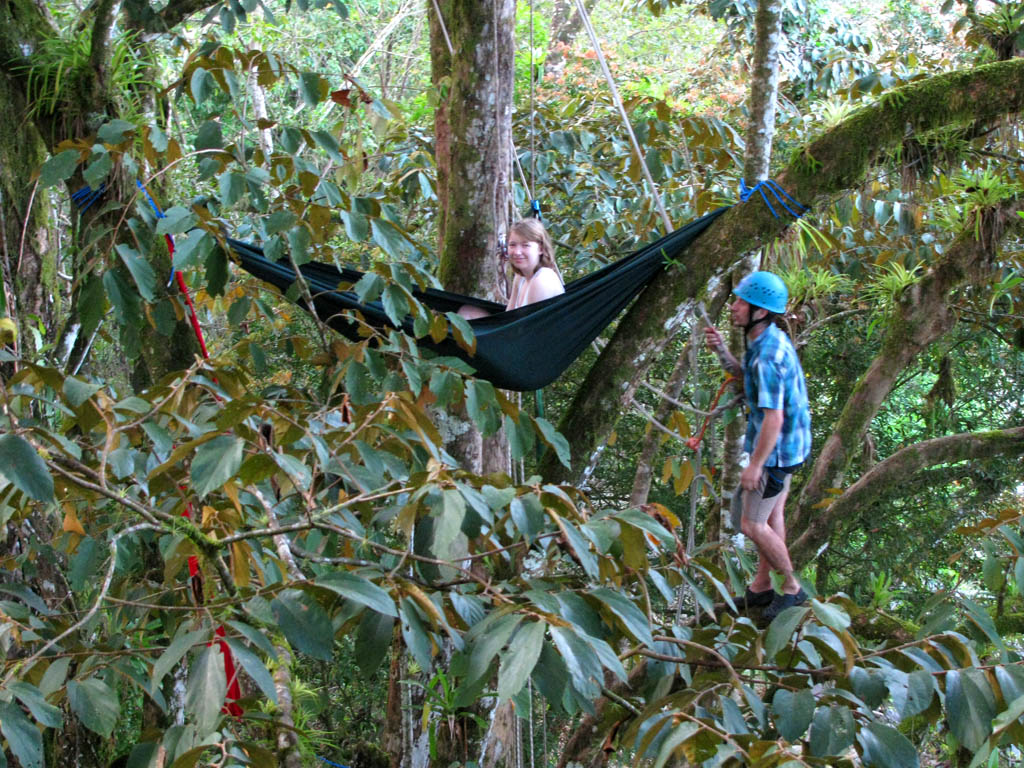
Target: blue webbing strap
(86,196)
(780,195)
(535,209)
(159,215)
(336,765)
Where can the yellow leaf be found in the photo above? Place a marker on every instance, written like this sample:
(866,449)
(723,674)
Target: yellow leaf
(71,522)
(684,478)
(612,438)
(240,563)
(666,471)
(8,331)
(439,328)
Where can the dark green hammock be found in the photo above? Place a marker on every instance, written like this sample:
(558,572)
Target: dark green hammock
(522,349)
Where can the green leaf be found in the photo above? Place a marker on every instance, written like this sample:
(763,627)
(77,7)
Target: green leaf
(357,226)
(583,664)
(782,628)
(232,187)
(449,515)
(634,619)
(373,640)
(485,640)
(98,169)
(417,638)
(395,303)
(519,660)
(885,747)
(792,712)
(970,707)
(830,615)
(645,522)
(278,221)
(1009,716)
(310,87)
(58,168)
(95,704)
(354,587)
(182,643)
(175,221)
(215,463)
(920,689)
(555,440)
(209,136)
(679,734)
(389,238)
(23,467)
(581,548)
(305,624)
(255,668)
(832,731)
(78,391)
(207,688)
(115,131)
(141,272)
(44,712)
(23,738)
(200,84)
(869,686)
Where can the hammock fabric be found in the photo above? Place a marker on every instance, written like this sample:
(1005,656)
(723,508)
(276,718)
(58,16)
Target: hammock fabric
(523,349)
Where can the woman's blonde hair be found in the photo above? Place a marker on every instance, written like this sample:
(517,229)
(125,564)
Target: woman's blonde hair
(533,231)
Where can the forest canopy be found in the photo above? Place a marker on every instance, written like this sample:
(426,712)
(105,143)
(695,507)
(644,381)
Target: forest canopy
(235,537)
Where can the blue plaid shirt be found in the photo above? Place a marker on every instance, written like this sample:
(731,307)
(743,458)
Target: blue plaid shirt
(773,378)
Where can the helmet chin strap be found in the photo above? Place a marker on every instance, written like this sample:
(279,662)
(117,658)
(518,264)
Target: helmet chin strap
(753,324)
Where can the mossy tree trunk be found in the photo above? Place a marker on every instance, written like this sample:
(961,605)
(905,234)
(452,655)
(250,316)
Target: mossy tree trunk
(471,51)
(88,98)
(835,162)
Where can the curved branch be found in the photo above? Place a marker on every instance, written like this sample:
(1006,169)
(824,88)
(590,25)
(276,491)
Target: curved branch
(834,162)
(889,475)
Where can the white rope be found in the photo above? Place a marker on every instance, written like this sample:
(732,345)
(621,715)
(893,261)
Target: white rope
(622,112)
(444,29)
(385,33)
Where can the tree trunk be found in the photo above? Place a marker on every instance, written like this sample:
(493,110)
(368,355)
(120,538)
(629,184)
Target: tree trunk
(471,49)
(764,91)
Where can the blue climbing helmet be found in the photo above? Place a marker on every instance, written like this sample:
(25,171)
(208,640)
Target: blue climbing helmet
(765,290)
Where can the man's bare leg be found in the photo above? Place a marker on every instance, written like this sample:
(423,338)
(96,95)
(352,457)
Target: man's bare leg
(770,539)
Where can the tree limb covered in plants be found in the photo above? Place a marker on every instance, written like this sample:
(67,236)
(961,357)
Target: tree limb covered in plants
(834,162)
(921,315)
(886,478)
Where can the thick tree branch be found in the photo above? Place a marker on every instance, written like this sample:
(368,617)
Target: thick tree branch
(923,314)
(832,163)
(888,476)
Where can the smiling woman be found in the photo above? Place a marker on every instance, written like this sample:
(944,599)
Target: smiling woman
(532,255)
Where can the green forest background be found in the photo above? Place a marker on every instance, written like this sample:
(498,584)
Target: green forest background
(404,566)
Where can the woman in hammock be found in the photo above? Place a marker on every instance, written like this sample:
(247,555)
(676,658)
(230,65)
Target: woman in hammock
(536,275)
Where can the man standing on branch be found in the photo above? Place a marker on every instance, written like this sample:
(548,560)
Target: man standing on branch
(778,435)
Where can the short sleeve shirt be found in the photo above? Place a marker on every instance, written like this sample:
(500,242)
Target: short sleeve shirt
(773,378)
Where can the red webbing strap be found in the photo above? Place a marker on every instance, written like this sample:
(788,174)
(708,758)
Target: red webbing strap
(694,441)
(234,691)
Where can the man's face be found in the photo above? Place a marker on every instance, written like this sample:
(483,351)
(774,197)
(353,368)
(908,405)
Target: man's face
(742,312)
(739,312)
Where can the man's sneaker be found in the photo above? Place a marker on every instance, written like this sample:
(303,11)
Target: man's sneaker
(757,599)
(782,602)
(750,599)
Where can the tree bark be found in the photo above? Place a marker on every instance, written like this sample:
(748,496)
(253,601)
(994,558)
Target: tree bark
(764,91)
(473,146)
(834,162)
